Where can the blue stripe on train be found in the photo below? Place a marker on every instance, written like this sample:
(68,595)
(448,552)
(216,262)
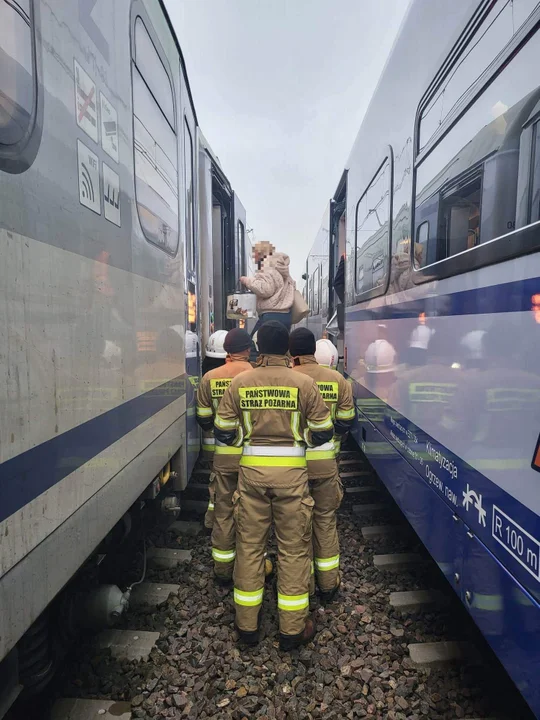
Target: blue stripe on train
(31,473)
(507,297)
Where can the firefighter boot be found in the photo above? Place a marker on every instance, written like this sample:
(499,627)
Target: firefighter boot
(291,642)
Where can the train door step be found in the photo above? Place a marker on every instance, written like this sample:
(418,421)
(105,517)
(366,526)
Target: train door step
(166,558)
(201,471)
(185,527)
(199,507)
(435,654)
(128,644)
(77,709)
(397,562)
(355,474)
(369,508)
(151,594)
(197,487)
(377,532)
(413,601)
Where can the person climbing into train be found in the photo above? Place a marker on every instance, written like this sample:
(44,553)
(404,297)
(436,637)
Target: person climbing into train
(273,412)
(215,357)
(272,284)
(318,360)
(234,346)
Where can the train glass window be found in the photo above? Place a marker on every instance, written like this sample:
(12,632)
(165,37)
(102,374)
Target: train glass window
(467,184)
(534,209)
(372,233)
(500,25)
(241,249)
(156,162)
(190,215)
(17,71)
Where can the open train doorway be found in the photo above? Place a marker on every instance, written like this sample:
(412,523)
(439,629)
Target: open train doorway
(336,275)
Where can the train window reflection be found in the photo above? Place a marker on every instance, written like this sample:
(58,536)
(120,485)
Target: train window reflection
(503,21)
(241,249)
(155,144)
(372,233)
(534,211)
(466,187)
(16,71)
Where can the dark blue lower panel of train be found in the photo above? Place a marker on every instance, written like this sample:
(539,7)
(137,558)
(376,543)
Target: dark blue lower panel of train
(461,526)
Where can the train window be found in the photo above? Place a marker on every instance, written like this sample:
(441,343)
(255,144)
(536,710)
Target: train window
(241,249)
(467,184)
(190,214)
(534,207)
(17,71)
(373,233)
(499,26)
(155,144)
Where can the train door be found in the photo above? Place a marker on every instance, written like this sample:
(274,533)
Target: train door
(242,251)
(206,257)
(188,138)
(223,246)
(337,247)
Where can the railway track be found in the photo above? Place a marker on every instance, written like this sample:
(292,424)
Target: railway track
(395,644)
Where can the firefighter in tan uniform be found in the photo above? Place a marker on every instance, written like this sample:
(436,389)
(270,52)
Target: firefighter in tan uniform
(317,361)
(273,412)
(236,346)
(215,356)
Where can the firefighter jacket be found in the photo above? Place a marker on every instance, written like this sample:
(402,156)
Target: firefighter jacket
(337,394)
(273,412)
(211,389)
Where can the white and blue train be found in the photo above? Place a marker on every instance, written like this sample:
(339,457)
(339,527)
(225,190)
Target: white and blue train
(120,237)
(438,216)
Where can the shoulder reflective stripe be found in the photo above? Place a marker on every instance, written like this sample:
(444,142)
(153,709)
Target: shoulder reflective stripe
(325,425)
(327,563)
(204,411)
(225,424)
(274,451)
(223,555)
(290,462)
(228,450)
(295,426)
(293,602)
(248,599)
(246,415)
(345,414)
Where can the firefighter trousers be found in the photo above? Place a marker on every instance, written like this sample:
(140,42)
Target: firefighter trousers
(327,493)
(291,510)
(220,514)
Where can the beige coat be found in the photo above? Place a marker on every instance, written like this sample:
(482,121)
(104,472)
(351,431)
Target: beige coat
(273,285)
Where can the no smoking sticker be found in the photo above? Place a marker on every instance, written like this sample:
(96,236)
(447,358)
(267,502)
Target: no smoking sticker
(86,102)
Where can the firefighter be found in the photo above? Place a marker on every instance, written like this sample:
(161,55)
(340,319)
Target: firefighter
(317,361)
(215,357)
(235,345)
(273,412)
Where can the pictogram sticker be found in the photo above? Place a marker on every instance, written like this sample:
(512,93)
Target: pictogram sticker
(109,127)
(111,195)
(86,102)
(89,192)
(536,457)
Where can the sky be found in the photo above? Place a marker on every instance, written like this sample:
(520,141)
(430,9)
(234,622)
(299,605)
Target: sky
(280,89)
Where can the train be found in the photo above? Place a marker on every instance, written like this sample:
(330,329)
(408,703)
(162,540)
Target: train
(436,222)
(121,237)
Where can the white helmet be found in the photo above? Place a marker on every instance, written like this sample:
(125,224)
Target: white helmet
(214,346)
(380,357)
(326,353)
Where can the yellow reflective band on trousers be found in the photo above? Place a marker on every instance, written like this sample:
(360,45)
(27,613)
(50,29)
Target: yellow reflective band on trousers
(248,599)
(260,461)
(228,450)
(210,505)
(323,564)
(208,448)
(224,556)
(314,454)
(293,602)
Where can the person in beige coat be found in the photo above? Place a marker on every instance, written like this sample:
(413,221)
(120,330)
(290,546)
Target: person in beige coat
(272,284)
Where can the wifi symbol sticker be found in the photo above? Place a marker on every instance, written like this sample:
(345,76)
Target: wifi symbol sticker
(89,192)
